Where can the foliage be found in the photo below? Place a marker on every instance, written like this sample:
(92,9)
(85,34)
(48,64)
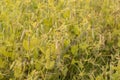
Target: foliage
(59,40)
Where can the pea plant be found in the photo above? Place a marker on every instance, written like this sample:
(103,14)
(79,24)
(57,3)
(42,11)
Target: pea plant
(59,39)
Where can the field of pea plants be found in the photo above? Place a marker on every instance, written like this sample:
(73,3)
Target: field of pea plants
(59,39)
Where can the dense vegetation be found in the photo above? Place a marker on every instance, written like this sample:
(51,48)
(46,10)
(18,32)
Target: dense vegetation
(59,39)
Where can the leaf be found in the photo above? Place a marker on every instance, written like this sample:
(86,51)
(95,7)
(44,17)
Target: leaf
(74,49)
(38,65)
(66,42)
(47,24)
(18,69)
(66,56)
(118,42)
(6,53)
(64,71)
(84,46)
(74,30)
(60,4)
(34,42)
(47,54)
(66,14)
(2,64)
(50,65)
(51,2)
(1,76)
(100,77)
(25,44)
(74,61)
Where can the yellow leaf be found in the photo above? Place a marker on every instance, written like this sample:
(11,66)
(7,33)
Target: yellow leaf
(34,24)
(50,65)
(1,76)
(66,14)
(25,44)
(2,65)
(30,44)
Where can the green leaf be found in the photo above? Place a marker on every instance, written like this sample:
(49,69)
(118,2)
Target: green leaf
(66,42)
(1,76)
(74,30)
(34,42)
(74,49)
(50,65)
(84,46)
(64,71)
(38,65)
(60,4)
(66,14)
(25,44)
(118,42)
(6,53)
(2,64)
